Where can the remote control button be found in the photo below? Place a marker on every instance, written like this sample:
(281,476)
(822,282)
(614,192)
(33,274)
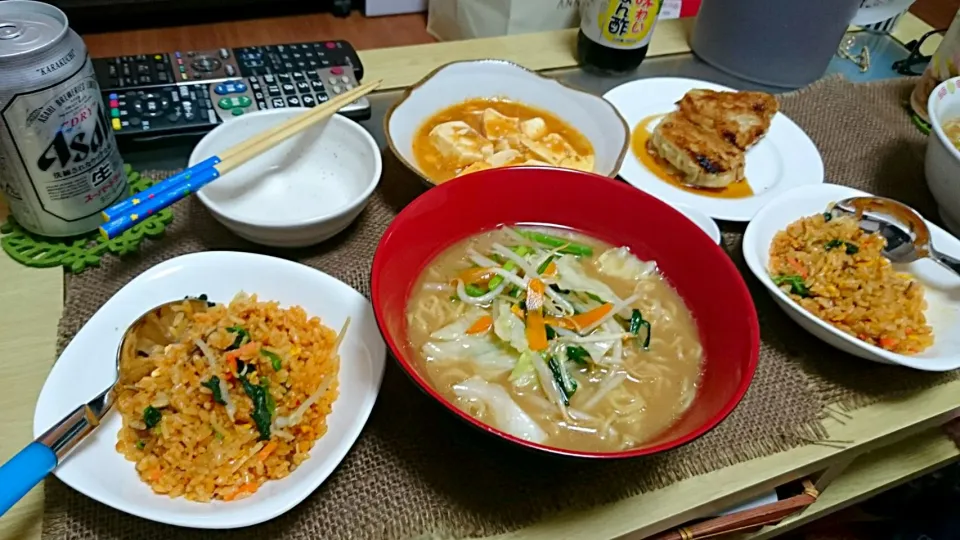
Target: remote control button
(330,45)
(143,69)
(345,79)
(134,121)
(273,90)
(313,75)
(322,98)
(255,86)
(115,123)
(220,90)
(284,77)
(326,63)
(336,89)
(316,85)
(115,113)
(244,101)
(336,70)
(269,79)
(126,70)
(293,101)
(144,79)
(141,57)
(303,86)
(236,112)
(191,54)
(189,116)
(113,96)
(258,96)
(163,77)
(225,103)
(177,54)
(173,117)
(308,101)
(206,64)
(261,105)
(158,58)
(333,80)
(288,88)
(212,117)
(299,76)
(112,70)
(184,92)
(224,54)
(114,102)
(230,70)
(278,103)
(252,80)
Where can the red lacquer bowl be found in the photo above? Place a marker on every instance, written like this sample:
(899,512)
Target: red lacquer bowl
(701,272)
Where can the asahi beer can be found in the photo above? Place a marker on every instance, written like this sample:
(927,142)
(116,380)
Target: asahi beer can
(59,164)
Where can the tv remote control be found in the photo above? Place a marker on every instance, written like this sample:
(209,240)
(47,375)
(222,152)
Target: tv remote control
(176,109)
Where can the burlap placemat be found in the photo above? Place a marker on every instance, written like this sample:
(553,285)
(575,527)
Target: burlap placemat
(416,470)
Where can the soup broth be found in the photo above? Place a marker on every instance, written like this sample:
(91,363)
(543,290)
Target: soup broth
(467,136)
(621,358)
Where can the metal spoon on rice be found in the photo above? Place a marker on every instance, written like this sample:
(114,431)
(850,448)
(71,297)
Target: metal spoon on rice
(29,467)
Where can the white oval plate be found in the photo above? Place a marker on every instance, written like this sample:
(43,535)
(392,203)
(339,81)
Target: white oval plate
(705,222)
(86,367)
(942,286)
(784,159)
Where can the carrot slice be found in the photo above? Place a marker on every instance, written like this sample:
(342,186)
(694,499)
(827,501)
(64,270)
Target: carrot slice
(535,291)
(475,275)
(797,266)
(267,450)
(587,318)
(887,342)
(536,331)
(482,325)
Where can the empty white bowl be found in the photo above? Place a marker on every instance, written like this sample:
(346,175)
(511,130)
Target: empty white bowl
(300,192)
(942,164)
(942,287)
(456,82)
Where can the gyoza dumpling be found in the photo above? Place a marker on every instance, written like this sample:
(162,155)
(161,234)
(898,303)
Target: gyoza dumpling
(460,143)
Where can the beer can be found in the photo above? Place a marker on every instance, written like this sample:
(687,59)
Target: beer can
(59,163)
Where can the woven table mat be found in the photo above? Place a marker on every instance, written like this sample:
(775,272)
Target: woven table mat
(416,470)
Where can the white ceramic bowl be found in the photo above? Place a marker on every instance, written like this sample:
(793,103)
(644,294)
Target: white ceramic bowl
(456,82)
(300,192)
(942,286)
(87,366)
(942,165)
(705,222)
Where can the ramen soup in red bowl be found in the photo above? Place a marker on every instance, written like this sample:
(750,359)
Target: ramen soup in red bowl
(565,312)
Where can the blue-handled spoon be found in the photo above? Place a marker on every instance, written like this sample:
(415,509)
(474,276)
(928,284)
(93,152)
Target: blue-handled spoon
(26,469)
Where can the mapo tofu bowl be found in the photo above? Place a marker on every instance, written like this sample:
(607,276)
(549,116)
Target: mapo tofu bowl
(485,114)
(589,334)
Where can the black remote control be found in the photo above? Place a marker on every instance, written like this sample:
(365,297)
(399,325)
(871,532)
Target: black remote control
(151,95)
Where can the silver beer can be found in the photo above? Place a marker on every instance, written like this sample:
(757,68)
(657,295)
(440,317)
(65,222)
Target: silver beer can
(59,163)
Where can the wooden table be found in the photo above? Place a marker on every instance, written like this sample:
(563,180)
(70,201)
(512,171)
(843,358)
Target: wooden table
(891,442)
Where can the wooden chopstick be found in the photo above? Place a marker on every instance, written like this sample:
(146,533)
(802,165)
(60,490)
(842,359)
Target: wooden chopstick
(209,170)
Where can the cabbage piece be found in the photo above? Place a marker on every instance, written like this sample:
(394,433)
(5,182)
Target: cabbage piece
(572,277)
(458,328)
(507,415)
(510,328)
(479,350)
(523,374)
(620,263)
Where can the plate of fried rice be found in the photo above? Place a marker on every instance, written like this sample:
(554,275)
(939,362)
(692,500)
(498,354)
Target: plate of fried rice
(830,277)
(237,401)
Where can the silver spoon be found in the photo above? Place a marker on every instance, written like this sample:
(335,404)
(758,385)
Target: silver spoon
(25,470)
(908,238)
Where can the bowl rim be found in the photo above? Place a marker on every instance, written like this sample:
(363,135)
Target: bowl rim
(740,391)
(934,117)
(336,119)
(414,87)
(750,243)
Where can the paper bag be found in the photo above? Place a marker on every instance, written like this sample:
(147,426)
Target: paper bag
(449,20)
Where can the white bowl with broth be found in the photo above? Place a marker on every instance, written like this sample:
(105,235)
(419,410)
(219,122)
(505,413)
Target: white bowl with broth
(942,164)
(578,130)
(299,193)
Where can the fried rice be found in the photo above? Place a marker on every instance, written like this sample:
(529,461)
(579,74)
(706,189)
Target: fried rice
(836,271)
(217,399)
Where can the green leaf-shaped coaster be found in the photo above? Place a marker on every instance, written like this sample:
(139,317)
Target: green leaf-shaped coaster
(80,252)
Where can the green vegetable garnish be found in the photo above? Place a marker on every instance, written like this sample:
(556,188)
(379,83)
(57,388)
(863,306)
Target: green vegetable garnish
(261,406)
(637,322)
(495,281)
(578,354)
(140,444)
(797,286)
(218,435)
(594,297)
(569,247)
(567,384)
(852,249)
(835,243)
(827,216)
(271,403)
(242,337)
(551,333)
(151,416)
(275,359)
(543,266)
(214,385)
(473,290)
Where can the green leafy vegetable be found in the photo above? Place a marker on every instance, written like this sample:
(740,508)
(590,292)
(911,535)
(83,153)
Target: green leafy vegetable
(214,385)
(551,333)
(151,416)
(474,290)
(578,354)
(835,243)
(569,247)
(594,297)
(140,444)
(242,337)
(637,322)
(827,216)
(852,249)
(567,384)
(543,266)
(275,359)
(218,435)
(523,372)
(261,406)
(797,286)
(271,403)
(495,281)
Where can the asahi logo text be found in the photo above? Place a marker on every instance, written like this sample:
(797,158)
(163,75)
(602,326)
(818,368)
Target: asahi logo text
(74,144)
